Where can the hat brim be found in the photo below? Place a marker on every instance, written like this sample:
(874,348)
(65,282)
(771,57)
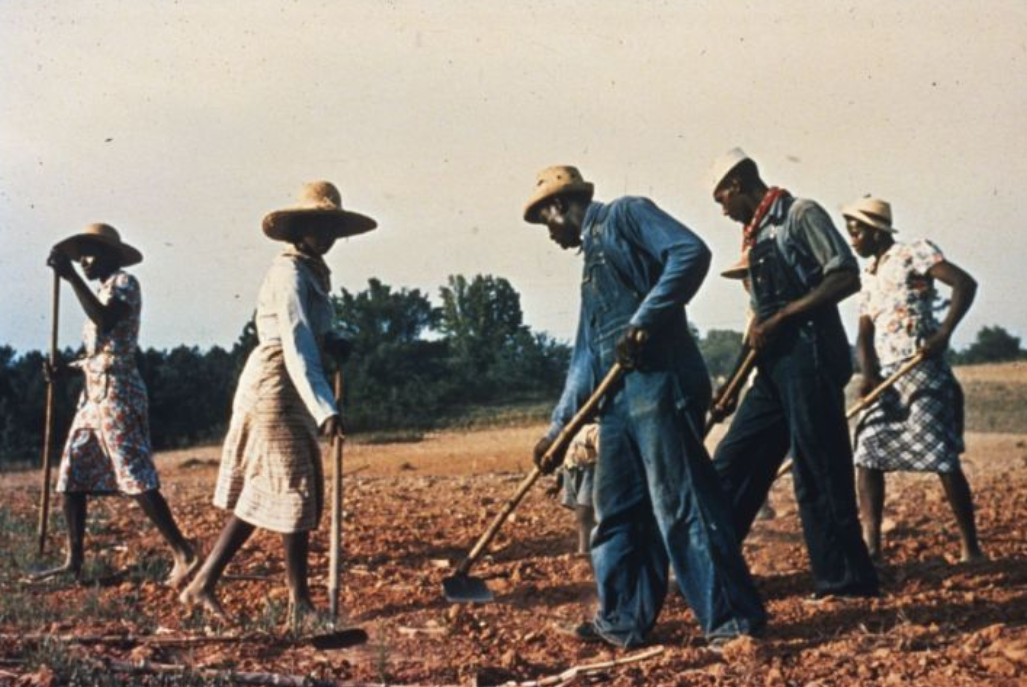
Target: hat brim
(285,225)
(72,247)
(736,271)
(869,220)
(544,194)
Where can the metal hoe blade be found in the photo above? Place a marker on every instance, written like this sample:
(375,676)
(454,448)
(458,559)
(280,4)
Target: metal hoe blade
(461,587)
(466,589)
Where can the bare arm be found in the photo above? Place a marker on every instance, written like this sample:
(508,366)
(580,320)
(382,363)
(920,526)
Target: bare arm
(964,289)
(836,287)
(104,316)
(867,356)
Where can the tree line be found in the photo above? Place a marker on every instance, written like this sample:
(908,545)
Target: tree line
(415,366)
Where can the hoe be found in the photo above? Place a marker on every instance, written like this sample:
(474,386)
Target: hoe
(461,587)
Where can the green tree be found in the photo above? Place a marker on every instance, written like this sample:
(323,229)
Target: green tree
(482,319)
(994,344)
(394,378)
(244,345)
(720,348)
(413,367)
(22,406)
(378,313)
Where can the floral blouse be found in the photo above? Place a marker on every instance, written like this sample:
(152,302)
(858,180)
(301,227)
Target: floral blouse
(117,347)
(898,295)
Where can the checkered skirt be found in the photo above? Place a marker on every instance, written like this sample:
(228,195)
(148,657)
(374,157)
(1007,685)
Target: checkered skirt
(917,425)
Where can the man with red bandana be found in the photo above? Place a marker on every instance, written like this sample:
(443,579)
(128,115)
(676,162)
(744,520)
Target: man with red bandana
(799,268)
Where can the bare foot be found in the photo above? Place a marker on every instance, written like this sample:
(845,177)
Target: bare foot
(185,566)
(972,556)
(304,619)
(195,596)
(68,569)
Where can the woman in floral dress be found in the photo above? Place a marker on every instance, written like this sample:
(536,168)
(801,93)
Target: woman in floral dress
(108,445)
(917,425)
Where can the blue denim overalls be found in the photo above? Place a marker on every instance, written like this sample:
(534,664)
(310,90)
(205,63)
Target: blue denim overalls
(657,497)
(796,404)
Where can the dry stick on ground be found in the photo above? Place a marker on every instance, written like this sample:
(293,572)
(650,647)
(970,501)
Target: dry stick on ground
(279,680)
(247,577)
(588,669)
(150,668)
(151,640)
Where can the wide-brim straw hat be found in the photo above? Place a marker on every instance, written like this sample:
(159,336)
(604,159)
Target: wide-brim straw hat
(739,270)
(554,181)
(871,211)
(319,209)
(723,166)
(103,234)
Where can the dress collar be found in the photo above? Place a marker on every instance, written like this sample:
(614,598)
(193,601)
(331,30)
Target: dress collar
(315,263)
(879,260)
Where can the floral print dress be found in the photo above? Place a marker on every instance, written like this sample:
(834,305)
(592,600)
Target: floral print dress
(108,446)
(917,425)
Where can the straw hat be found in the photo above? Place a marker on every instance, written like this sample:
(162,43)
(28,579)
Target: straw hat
(723,165)
(104,234)
(553,181)
(739,270)
(871,211)
(318,201)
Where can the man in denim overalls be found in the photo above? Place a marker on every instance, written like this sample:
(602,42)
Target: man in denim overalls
(800,267)
(657,497)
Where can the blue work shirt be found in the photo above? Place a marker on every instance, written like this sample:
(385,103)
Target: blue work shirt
(809,242)
(659,264)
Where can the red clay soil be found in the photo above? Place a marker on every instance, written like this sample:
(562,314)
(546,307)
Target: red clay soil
(412,511)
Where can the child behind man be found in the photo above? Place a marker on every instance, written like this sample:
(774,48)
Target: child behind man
(577,478)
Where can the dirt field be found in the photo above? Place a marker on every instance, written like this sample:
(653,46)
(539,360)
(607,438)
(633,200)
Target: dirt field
(412,510)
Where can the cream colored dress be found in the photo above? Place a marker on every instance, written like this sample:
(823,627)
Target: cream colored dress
(271,473)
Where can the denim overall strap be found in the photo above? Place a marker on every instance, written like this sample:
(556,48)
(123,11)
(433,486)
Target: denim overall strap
(610,302)
(774,283)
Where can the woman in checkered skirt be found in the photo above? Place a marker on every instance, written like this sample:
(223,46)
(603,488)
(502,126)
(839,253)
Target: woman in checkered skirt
(918,424)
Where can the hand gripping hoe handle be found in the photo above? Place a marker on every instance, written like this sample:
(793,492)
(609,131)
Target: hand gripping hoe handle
(460,582)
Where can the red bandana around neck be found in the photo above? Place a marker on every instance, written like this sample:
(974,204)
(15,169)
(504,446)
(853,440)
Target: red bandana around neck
(753,227)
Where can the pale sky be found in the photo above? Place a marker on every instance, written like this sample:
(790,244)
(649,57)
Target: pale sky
(183,123)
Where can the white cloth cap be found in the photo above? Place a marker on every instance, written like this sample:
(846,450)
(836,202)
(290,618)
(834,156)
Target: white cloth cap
(723,165)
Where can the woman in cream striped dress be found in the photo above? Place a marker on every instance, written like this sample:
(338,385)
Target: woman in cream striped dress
(271,474)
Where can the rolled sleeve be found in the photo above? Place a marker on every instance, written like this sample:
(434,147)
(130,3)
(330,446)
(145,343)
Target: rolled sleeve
(299,345)
(814,228)
(923,255)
